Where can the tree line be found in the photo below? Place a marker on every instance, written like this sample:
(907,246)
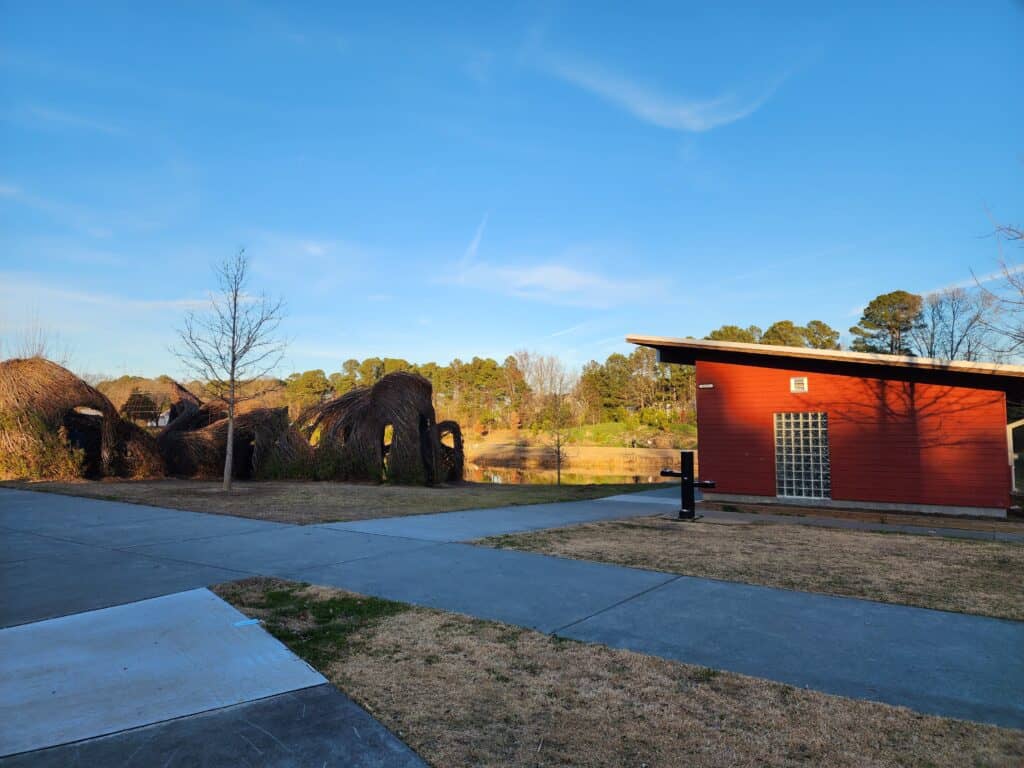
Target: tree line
(534,391)
(524,390)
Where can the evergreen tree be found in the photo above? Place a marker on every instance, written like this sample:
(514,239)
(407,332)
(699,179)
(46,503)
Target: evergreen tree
(784,333)
(820,335)
(749,335)
(887,324)
(305,389)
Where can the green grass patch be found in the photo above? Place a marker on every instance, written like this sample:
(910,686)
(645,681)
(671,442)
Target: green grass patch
(319,629)
(623,434)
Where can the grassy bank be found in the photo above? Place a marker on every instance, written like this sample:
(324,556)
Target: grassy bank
(607,434)
(462,691)
(305,502)
(947,574)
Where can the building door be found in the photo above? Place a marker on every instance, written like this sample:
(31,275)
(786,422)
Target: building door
(802,465)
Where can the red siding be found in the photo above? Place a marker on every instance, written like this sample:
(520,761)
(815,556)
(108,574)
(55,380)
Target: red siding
(890,441)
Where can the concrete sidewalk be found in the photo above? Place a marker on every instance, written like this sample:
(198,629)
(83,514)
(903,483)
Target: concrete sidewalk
(181,679)
(936,662)
(480,523)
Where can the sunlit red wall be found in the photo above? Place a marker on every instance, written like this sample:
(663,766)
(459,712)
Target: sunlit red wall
(890,441)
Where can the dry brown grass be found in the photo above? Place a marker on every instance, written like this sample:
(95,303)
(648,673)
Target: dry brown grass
(305,502)
(947,574)
(464,692)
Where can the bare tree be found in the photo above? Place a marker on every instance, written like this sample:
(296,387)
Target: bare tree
(955,324)
(553,384)
(233,342)
(1009,295)
(34,339)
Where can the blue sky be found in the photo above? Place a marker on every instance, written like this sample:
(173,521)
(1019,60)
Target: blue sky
(429,181)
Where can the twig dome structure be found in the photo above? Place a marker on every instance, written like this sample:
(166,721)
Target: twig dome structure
(453,457)
(55,426)
(385,432)
(266,444)
(168,396)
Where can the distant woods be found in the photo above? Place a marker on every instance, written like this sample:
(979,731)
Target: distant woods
(951,324)
(980,321)
(785,333)
(526,390)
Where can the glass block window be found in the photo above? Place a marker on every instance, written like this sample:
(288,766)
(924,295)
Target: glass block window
(802,465)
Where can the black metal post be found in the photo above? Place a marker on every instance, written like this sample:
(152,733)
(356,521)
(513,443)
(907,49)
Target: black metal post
(688,482)
(687,501)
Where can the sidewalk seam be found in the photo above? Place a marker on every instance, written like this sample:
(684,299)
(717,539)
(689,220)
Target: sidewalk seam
(615,605)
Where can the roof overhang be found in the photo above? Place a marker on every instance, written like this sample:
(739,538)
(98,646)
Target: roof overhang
(978,375)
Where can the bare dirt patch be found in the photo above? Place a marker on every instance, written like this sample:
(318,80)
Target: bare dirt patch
(976,577)
(466,692)
(305,502)
(1009,525)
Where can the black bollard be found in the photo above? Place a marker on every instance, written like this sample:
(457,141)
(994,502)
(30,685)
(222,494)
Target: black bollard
(688,482)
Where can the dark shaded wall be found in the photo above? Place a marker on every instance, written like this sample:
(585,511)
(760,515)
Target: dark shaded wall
(900,442)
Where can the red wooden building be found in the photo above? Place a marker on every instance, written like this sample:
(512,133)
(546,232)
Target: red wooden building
(850,429)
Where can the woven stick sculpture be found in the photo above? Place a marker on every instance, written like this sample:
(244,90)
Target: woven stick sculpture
(266,445)
(350,433)
(55,426)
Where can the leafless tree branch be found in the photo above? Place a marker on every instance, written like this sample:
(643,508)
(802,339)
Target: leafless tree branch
(234,342)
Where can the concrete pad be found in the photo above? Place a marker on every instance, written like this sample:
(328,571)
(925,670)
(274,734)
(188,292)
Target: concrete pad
(941,663)
(285,549)
(312,727)
(53,514)
(176,526)
(521,588)
(105,671)
(21,545)
(478,523)
(81,578)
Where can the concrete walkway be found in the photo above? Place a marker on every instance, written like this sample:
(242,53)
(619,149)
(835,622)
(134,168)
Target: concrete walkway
(936,662)
(478,524)
(182,679)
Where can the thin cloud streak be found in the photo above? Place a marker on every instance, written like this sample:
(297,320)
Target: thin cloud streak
(976,280)
(16,287)
(470,254)
(70,120)
(570,329)
(62,212)
(558,284)
(656,108)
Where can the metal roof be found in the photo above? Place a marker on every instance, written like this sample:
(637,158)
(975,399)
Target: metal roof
(688,351)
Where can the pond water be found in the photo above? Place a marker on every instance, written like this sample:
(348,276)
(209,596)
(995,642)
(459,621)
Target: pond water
(549,477)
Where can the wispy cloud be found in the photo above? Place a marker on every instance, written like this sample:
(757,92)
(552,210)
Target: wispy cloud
(62,118)
(474,245)
(559,284)
(988,277)
(665,110)
(568,331)
(277,256)
(69,214)
(14,285)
